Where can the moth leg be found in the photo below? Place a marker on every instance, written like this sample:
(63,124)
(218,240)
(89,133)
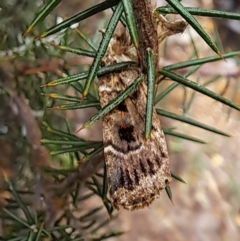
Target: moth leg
(169,28)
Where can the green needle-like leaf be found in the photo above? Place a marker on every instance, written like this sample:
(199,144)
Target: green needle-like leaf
(84,197)
(127,6)
(108,235)
(88,216)
(59,133)
(201,61)
(169,193)
(177,178)
(19,201)
(175,4)
(98,185)
(40,230)
(83,75)
(103,47)
(31,235)
(79,17)
(190,121)
(80,148)
(57,96)
(66,80)
(162,94)
(17,219)
(90,187)
(202,12)
(77,106)
(78,51)
(105,185)
(87,40)
(183,136)
(106,221)
(43,14)
(93,153)
(198,88)
(150,92)
(67,142)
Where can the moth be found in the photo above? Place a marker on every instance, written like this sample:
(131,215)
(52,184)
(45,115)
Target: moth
(137,168)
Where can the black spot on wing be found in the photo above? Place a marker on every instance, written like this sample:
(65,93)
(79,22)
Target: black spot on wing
(134,95)
(126,133)
(151,166)
(167,182)
(158,162)
(116,179)
(128,182)
(122,107)
(121,179)
(164,154)
(143,168)
(136,177)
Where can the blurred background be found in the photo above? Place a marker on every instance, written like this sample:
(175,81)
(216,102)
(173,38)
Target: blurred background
(207,206)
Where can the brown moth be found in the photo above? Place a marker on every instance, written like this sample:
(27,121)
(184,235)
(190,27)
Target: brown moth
(137,169)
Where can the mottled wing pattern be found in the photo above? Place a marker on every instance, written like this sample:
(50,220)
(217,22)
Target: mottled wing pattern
(137,169)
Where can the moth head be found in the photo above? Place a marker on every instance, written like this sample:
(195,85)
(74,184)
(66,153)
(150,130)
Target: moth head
(120,49)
